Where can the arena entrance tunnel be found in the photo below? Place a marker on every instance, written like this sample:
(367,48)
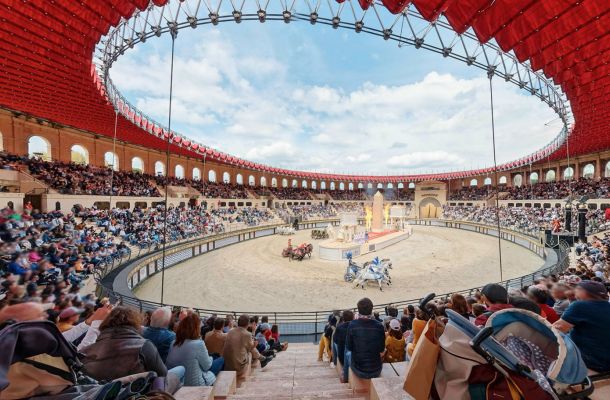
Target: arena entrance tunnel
(430,208)
(403,25)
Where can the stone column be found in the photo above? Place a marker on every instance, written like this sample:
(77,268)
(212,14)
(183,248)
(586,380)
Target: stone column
(377,225)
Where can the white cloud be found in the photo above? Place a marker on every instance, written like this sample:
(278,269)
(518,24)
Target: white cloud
(421,159)
(253,106)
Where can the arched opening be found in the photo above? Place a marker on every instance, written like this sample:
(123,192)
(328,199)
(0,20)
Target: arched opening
(111,160)
(332,186)
(412,185)
(588,171)
(1,142)
(350,186)
(274,182)
(239,179)
(251,180)
(226,177)
(534,178)
(369,185)
(474,182)
(159,168)
(39,147)
(294,183)
(518,180)
(211,176)
(79,154)
(341,186)
(550,175)
(400,185)
(314,184)
(284,182)
(179,171)
(487,181)
(304,184)
(196,174)
(360,185)
(323,185)
(263,181)
(429,208)
(390,185)
(502,180)
(380,186)
(607,170)
(568,173)
(137,165)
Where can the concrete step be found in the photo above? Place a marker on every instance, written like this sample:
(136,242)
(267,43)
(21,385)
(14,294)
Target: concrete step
(225,385)
(195,393)
(388,389)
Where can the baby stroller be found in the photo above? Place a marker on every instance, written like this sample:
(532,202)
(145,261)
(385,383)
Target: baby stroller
(517,355)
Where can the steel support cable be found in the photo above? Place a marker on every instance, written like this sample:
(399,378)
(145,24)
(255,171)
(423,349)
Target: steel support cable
(167,163)
(493,141)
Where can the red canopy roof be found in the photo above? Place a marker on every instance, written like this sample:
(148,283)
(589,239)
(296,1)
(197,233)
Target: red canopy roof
(46,69)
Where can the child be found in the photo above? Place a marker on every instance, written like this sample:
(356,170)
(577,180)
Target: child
(394,343)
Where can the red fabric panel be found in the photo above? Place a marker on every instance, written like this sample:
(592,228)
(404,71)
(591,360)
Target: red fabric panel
(396,6)
(431,9)
(490,21)
(461,13)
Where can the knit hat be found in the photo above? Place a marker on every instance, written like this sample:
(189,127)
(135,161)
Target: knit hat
(495,293)
(596,290)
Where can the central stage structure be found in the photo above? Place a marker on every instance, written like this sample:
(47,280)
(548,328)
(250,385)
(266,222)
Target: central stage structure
(383,226)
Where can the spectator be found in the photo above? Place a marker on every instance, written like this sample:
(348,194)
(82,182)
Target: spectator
(495,298)
(588,322)
(215,340)
(541,297)
(339,338)
(559,292)
(190,352)
(394,343)
(120,350)
(419,323)
(67,318)
(366,342)
(238,348)
(408,315)
(158,332)
(458,303)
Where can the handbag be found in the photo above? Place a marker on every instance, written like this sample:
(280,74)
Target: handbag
(422,367)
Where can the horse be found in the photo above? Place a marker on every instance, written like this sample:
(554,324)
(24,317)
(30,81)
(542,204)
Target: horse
(376,271)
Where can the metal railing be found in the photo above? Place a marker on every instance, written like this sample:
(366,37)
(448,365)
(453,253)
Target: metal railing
(297,326)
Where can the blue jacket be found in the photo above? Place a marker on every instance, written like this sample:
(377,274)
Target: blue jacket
(194,357)
(162,338)
(366,340)
(339,338)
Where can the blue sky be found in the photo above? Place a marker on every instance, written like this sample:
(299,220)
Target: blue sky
(315,98)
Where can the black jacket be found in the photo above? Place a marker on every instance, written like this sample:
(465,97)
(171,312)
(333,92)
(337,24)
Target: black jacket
(366,340)
(339,340)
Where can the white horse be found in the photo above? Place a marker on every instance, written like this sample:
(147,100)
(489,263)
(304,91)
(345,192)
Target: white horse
(285,230)
(376,271)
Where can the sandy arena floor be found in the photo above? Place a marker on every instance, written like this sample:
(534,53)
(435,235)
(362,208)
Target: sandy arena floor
(252,276)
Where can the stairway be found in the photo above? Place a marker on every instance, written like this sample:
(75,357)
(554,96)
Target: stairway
(295,374)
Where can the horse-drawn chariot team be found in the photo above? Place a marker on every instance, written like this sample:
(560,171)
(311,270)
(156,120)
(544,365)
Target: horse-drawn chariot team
(299,252)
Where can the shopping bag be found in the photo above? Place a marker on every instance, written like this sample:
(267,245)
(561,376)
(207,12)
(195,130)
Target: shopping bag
(420,375)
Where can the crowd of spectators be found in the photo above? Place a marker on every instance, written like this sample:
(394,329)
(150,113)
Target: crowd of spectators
(290,193)
(593,188)
(351,195)
(311,212)
(524,219)
(217,190)
(472,193)
(81,179)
